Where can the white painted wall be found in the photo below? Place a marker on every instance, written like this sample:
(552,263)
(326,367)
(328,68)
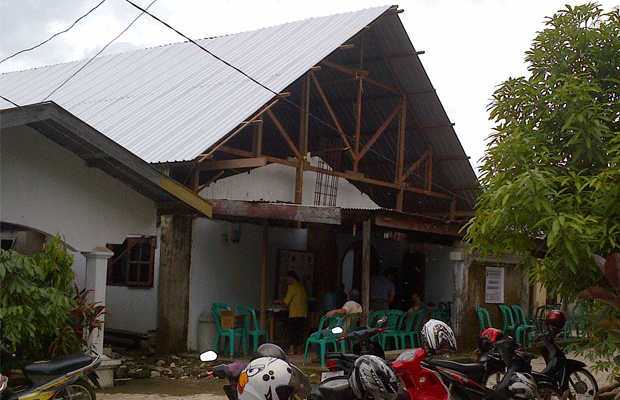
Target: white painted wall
(222,271)
(276,182)
(45,187)
(439,273)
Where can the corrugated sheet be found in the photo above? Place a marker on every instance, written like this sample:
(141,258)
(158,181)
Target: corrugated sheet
(173,102)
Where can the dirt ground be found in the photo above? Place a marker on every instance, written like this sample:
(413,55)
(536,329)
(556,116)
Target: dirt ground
(187,388)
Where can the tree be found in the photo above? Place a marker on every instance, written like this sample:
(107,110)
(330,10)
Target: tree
(551,172)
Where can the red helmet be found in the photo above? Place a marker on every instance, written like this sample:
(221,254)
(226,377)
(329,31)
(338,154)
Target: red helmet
(556,319)
(487,338)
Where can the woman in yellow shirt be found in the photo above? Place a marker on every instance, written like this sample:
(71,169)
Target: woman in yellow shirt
(297,303)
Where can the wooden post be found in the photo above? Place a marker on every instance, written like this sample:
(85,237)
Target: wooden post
(366,272)
(358,121)
(401,152)
(263,288)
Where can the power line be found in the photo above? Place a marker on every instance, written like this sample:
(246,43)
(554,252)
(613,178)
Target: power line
(320,120)
(99,52)
(53,36)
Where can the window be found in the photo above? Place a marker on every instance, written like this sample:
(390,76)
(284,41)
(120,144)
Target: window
(133,262)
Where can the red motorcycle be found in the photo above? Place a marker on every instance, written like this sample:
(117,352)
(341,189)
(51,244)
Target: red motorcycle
(428,378)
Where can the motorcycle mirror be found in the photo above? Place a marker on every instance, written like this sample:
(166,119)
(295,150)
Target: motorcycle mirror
(337,330)
(382,320)
(208,356)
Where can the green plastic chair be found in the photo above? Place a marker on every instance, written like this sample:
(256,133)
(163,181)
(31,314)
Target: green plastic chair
(508,318)
(523,332)
(575,322)
(484,319)
(230,334)
(411,329)
(349,323)
(252,329)
(324,336)
(394,320)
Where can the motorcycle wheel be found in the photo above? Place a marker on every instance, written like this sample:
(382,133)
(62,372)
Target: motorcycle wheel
(548,391)
(78,390)
(582,385)
(493,379)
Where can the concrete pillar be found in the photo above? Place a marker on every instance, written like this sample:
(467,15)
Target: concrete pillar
(461,306)
(96,277)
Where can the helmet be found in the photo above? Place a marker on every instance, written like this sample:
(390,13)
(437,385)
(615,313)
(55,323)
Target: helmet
(269,350)
(437,334)
(522,385)
(487,338)
(266,378)
(370,375)
(556,320)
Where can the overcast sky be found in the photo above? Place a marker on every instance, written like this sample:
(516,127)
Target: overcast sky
(471,45)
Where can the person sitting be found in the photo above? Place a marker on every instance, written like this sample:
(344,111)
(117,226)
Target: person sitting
(418,304)
(350,307)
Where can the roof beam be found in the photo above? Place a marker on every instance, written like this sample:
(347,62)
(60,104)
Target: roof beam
(285,212)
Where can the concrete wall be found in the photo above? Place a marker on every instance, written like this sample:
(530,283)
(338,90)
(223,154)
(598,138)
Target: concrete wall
(227,272)
(47,188)
(439,273)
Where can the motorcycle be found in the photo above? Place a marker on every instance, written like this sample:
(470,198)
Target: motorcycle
(62,378)
(341,363)
(426,377)
(567,374)
(265,376)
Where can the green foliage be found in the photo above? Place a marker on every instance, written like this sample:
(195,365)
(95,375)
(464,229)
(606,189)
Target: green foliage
(551,173)
(36,300)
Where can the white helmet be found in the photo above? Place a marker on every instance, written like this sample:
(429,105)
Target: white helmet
(268,378)
(437,334)
(522,385)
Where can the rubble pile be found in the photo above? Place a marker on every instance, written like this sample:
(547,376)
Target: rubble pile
(142,366)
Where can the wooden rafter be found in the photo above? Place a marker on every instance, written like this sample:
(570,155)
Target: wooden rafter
(317,85)
(358,72)
(378,133)
(285,135)
(414,166)
(239,129)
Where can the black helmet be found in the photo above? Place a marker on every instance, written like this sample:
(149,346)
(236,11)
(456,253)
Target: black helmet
(487,338)
(269,350)
(370,375)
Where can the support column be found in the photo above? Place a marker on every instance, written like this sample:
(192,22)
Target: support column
(366,271)
(96,277)
(462,313)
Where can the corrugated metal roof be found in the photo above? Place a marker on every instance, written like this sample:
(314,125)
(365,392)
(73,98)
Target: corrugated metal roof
(171,103)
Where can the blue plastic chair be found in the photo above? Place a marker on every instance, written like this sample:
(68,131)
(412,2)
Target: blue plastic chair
(222,333)
(252,329)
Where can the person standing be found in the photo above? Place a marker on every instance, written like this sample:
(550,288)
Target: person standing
(382,291)
(297,302)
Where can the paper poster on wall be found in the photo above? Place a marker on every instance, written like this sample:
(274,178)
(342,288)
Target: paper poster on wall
(494,285)
(302,262)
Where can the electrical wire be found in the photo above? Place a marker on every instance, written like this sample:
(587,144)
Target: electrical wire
(99,52)
(320,120)
(53,36)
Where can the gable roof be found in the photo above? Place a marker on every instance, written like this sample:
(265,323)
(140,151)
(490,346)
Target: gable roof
(163,103)
(176,102)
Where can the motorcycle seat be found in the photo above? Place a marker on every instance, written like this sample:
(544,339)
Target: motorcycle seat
(340,356)
(59,365)
(332,388)
(464,368)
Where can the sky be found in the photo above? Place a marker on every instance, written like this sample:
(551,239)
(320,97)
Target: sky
(471,46)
